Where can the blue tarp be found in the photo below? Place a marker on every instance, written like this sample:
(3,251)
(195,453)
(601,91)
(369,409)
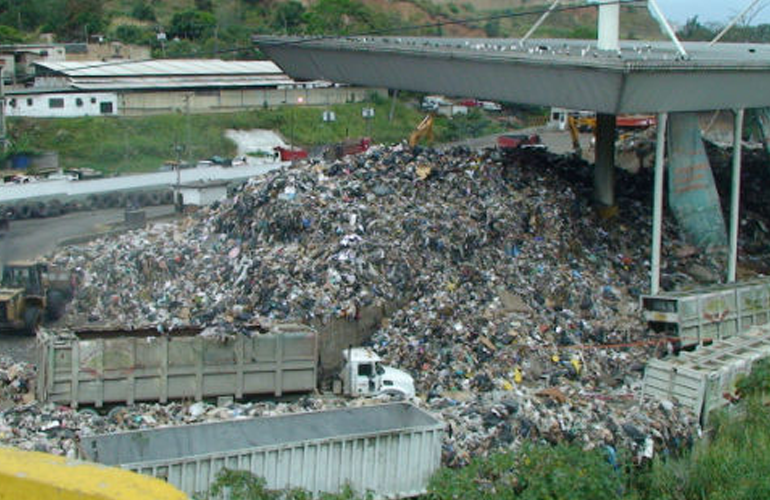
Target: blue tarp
(693,196)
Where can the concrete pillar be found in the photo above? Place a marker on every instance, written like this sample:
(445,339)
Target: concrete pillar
(609,25)
(657,204)
(735,197)
(604,174)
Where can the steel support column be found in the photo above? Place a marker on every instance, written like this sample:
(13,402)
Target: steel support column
(657,203)
(604,173)
(735,197)
(609,25)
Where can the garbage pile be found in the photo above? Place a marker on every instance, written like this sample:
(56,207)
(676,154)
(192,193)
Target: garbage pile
(16,382)
(520,316)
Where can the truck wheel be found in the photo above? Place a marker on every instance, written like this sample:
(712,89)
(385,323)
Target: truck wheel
(31,319)
(56,303)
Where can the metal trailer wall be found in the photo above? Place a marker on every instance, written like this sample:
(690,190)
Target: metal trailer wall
(391,450)
(713,312)
(699,379)
(98,367)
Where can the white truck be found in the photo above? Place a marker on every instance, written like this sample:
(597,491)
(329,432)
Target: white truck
(365,375)
(98,366)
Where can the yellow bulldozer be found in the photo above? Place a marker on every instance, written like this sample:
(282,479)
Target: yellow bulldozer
(30,292)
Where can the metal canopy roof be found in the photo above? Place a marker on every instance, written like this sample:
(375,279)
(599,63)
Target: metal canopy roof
(640,77)
(161,67)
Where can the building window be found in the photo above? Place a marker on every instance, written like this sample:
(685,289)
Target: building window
(12,103)
(56,102)
(79,102)
(93,100)
(29,102)
(105,108)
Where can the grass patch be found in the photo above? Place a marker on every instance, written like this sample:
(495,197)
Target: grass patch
(141,144)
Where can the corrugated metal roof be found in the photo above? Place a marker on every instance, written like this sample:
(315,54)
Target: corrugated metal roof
(156,82)
(161,67)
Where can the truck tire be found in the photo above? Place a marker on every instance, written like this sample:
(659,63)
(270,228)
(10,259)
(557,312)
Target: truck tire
(168,198)
(31,319)
(57,301)
(55,208)
(154,198)
(91,202)
(25,212)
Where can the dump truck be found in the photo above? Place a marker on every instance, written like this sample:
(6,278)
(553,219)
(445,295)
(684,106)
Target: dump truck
(388,451)
(104,366)
(510,142)
(347,147)
(32,291)
(290,154)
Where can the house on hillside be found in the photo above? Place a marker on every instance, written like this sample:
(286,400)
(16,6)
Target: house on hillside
(88,88)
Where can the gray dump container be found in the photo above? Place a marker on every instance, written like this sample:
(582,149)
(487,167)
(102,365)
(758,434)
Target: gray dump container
(710,313)
(391,450)
(698,380)
(99,366)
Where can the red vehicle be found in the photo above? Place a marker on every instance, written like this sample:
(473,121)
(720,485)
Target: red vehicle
(509,142)
(635,121)
(347,147)
(290,154)
(470,103)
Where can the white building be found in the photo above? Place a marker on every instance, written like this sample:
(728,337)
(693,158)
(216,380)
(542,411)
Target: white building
(202,193)
(61,104)
(91,88)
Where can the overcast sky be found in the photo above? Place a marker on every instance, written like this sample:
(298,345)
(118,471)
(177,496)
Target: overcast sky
(721,11)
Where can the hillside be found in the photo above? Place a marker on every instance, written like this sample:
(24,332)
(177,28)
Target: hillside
(201,28)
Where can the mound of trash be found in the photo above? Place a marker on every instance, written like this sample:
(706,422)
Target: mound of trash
(520,316)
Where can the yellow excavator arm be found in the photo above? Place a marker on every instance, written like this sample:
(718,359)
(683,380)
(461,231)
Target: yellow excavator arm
(424,129)
(574,134)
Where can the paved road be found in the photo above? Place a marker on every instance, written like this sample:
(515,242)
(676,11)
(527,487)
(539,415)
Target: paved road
(30,239)
(556,141)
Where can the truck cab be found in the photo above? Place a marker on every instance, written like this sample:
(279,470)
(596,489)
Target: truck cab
(365,375)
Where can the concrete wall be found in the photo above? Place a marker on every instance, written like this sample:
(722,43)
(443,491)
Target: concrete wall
(38,105)
(111,50)
(203,196)
(72,104)
(227,100)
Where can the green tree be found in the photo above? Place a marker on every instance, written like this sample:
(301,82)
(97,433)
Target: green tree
(192,25)
(136,35)
(492,28)
(77,18)
(532,473)
(143,11)
(339,17)
(10,35)
(204,5)
(695,31)
(287,16)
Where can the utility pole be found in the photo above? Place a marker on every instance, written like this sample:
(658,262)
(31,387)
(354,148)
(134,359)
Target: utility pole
(3,138)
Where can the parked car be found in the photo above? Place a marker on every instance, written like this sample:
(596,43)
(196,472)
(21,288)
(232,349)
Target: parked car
(490,106)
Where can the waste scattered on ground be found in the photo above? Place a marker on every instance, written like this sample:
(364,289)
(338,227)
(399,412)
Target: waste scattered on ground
(521,319)
(16,382)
